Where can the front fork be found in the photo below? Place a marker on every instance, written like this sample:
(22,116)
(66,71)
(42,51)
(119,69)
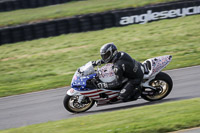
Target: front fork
(73,92)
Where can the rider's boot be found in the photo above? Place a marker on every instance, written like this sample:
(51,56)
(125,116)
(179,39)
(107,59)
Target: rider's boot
(130,94)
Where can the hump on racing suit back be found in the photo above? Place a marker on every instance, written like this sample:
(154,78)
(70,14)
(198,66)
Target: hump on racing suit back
(130,67)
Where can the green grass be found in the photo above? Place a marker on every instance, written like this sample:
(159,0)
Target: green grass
(50,63)
(68,9)
(159,118)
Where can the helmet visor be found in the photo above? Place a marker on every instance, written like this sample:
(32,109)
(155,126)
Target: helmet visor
(106,56)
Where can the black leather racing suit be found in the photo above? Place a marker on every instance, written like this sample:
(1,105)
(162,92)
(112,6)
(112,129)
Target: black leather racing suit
(128,69)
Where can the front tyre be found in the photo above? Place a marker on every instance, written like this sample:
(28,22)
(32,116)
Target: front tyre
(72,105)
(163,83)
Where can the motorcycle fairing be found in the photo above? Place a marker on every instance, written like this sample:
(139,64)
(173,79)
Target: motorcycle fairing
(72,92)
(79,82)
(155,65)
(96,94)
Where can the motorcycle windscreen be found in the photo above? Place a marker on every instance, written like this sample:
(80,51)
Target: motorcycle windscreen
(79,81)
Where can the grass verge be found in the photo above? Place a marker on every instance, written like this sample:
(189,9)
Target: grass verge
(159,118)
(68,9)
(50,62)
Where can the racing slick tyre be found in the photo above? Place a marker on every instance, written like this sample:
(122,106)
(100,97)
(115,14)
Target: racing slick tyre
(163,83)
(72,105)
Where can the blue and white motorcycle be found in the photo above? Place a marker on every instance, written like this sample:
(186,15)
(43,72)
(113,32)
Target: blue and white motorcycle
(84,92)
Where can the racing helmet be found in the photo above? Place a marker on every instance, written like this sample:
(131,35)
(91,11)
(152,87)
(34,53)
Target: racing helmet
(108,52)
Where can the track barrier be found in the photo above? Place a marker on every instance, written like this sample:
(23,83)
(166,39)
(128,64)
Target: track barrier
(9,5)
(98,21)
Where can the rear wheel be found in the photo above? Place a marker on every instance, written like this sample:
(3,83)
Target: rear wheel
(163,84)
(72,105)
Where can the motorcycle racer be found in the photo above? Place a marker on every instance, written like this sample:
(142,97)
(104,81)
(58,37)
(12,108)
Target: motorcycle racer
(128,72)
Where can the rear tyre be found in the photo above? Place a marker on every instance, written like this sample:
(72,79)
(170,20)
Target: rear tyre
(163,83)
(72,105)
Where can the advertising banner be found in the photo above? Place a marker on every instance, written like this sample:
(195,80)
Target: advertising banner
(148,14)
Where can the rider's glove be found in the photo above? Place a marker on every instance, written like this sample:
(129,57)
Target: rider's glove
(97,63)
(102,85)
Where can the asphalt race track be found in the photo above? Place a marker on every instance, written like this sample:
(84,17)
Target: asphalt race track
(44,106)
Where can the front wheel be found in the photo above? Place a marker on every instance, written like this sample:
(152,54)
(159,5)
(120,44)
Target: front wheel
(72,105)
(163,83)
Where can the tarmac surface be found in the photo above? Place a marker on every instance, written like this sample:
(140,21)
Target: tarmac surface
(192,130)
(43,106)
